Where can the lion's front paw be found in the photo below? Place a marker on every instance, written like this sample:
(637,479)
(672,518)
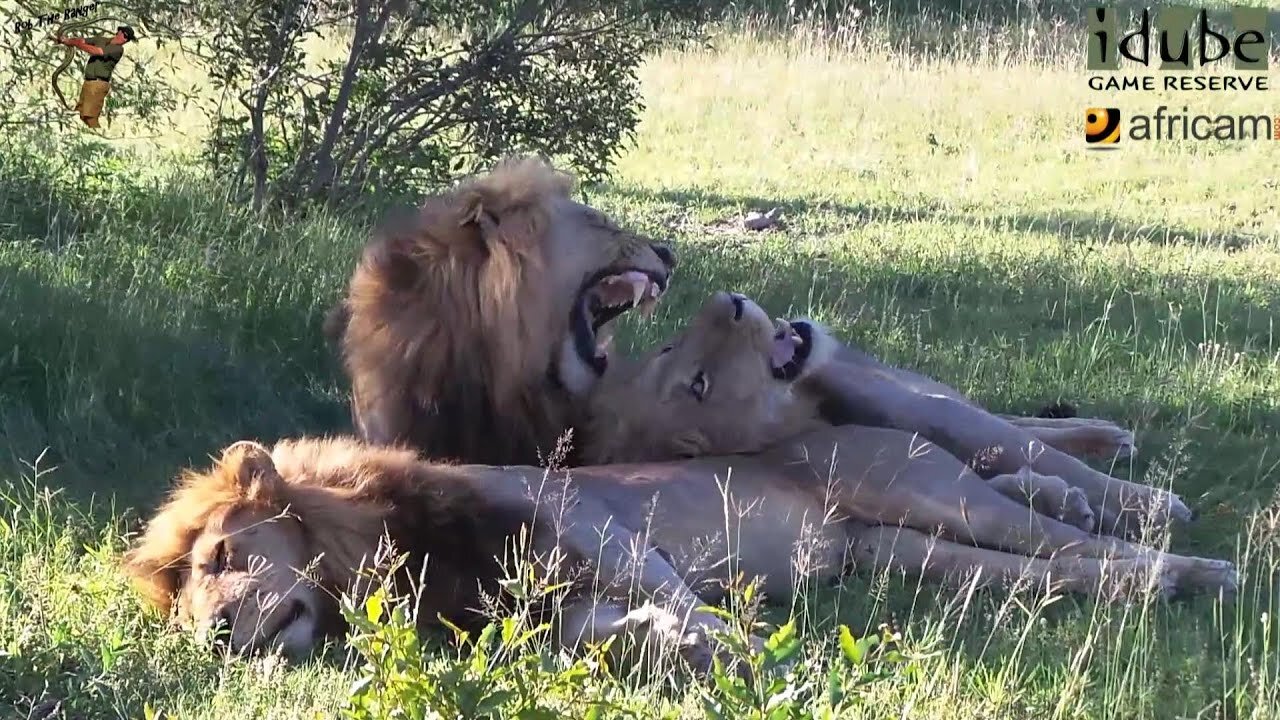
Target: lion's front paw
(1076,510)
(1145,517)
(1114,442)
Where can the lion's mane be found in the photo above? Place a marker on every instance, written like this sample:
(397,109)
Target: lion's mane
(346,496)
(449,321)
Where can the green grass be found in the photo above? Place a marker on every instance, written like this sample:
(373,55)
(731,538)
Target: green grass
(941,211)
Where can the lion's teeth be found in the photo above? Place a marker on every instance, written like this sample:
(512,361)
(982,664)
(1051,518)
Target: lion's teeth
(638,289)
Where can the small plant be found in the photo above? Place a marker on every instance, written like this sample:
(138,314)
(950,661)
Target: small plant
(772,684)
(504,671)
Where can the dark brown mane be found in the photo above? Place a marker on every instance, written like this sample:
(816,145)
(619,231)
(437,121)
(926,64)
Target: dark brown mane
(444,330)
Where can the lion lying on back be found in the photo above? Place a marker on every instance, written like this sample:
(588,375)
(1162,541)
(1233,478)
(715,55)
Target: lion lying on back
(735,382)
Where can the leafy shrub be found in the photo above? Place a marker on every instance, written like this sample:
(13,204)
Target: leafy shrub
(327,100)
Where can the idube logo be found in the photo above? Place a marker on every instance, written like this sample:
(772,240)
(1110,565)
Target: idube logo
(1178,40)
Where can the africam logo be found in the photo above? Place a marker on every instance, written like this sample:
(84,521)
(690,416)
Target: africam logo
(1103,127)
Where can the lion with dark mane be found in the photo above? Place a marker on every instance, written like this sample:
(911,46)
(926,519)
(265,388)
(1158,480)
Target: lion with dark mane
(473,326)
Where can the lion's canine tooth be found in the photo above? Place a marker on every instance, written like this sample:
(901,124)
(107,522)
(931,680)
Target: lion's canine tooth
(638,289)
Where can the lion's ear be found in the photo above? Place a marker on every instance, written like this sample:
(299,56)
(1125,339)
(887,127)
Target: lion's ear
(486,222)
(250,464)
(690,444)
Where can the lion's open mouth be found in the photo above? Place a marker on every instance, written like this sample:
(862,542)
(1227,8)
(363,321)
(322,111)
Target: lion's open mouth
(602,299)
(792,344)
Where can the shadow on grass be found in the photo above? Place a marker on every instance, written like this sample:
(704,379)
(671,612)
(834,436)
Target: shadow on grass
(122,398)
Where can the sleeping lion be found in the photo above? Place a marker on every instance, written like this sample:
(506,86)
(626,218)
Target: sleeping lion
(264,541)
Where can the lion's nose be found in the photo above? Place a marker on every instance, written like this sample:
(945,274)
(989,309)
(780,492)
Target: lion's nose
(739,304)
(217,631)
(223,620)
(664,253)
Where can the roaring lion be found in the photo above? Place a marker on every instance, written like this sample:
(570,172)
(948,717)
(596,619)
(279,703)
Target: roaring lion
(735,382)
(265,541)
(472,326)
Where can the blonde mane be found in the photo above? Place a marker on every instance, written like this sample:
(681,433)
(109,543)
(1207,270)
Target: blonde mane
(342,521)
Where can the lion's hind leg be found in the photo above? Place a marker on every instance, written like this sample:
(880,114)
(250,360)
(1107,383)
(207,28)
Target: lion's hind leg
(899,549)
(1048,495)
(893,478)
(853,396)
(1081,437)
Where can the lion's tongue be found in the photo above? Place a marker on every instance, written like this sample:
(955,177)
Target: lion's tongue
(784,350)
(628,288)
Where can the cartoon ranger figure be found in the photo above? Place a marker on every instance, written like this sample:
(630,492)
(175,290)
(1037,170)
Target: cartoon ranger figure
(105,53)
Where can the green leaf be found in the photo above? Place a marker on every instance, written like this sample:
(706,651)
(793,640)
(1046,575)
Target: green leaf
(492,703)
(528,634)
(459,635)
(782,636)
(373,606)
(718,612)
(359,686)
(783,654)
(855,651)
(835,688)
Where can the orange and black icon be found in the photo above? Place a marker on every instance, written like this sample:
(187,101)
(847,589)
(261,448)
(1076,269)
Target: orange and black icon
(1102,126)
